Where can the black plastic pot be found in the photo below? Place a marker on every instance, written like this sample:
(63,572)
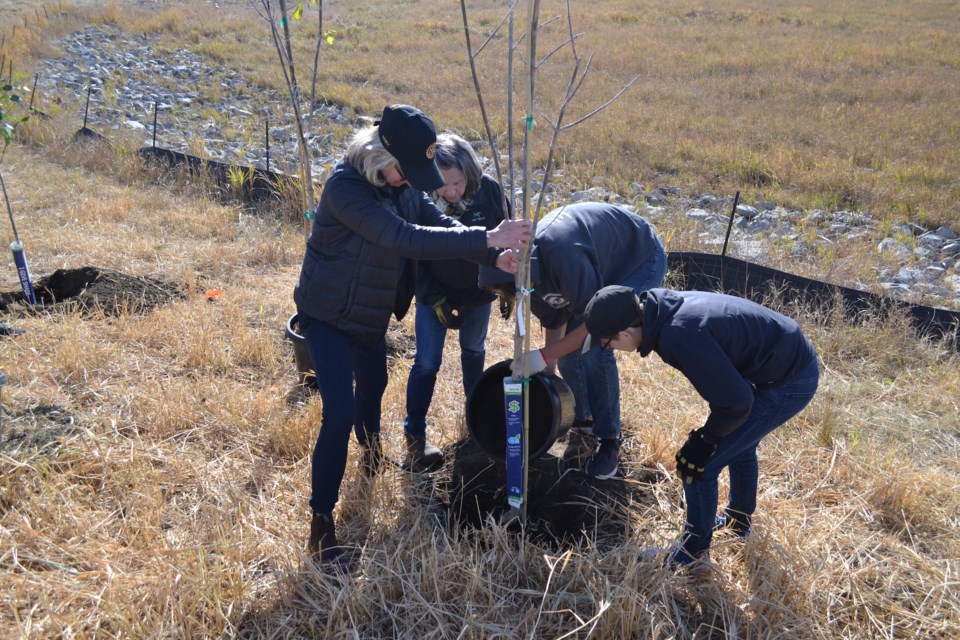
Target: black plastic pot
(301,355)
(551,412)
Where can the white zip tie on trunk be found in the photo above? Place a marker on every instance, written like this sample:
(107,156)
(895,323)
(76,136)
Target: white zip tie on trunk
(522,293)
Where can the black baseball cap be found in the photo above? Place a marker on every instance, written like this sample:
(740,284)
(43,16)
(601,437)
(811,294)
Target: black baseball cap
(410,137)
(610,311)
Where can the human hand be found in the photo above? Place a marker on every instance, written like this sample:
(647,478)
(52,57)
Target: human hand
(507,261)
(447,315)
(510,234)
(537,363)
(694,454)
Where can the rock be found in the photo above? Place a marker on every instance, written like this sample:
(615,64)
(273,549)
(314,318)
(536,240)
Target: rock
(890,245)
(946,233)
(931,240)
(748,211)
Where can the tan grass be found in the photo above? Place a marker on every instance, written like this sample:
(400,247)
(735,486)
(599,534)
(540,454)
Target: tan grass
(163,489)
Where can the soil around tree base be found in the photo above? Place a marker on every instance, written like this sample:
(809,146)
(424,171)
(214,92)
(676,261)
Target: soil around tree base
(564,504)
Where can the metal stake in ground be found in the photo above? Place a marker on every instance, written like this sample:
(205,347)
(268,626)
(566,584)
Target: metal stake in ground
(3,381)
(736,201)
(19,257)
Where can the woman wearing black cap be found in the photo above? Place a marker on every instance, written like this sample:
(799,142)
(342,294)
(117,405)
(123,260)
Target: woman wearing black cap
(373,220)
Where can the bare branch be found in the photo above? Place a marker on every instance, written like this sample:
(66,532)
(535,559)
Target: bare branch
(494,32)
(603,106)
(573,39)
(284,49)
(483,110)
(316,66)
(559,47)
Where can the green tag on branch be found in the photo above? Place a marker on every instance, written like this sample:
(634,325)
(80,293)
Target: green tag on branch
(529,123)
(308,215)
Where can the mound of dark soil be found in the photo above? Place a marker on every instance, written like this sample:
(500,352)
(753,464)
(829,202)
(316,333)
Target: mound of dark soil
(564,504)
(96,289)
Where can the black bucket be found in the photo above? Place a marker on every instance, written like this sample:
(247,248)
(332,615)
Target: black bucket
(301,355)
(551,412)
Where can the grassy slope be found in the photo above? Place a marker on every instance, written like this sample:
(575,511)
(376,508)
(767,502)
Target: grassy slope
(174,505)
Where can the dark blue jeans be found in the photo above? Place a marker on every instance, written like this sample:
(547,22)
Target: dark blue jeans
(338,360)
(593,376)
(738,452)
(431,335)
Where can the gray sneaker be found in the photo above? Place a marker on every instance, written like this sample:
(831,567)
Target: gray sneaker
(603,464)
(422,456)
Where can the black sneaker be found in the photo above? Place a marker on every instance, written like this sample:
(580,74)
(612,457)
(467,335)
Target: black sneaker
(603,464)
(421,455)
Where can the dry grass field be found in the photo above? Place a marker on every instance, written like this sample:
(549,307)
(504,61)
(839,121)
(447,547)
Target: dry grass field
(155,466)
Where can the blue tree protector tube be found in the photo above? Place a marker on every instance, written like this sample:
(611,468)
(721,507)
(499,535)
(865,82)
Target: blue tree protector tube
(513,404)
(21,261)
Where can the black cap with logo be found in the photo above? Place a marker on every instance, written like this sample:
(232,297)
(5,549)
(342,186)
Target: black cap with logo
(610,311)
(410,137)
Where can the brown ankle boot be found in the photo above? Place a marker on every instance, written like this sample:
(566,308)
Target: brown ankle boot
(372,460)
(323,543)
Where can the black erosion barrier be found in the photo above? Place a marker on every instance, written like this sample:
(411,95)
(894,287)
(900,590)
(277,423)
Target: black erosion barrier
(710,272)
(250,183)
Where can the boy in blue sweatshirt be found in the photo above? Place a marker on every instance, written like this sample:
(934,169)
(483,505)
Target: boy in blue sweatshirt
(752,365)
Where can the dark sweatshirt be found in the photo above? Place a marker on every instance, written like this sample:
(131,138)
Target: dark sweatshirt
(726,346)
(579,249)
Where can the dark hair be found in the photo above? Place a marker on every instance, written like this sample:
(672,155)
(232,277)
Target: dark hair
(453,152)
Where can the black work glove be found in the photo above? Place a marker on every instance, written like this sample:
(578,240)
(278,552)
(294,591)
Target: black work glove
(447,315)
(694,455)
(507,305)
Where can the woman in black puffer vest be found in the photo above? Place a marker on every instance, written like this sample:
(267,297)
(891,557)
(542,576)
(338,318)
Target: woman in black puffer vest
(371,225)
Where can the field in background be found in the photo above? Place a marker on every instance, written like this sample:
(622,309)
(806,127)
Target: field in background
(825,105)
(156,467)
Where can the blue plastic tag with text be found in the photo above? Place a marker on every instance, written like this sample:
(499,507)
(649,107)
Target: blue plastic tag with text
(513,404)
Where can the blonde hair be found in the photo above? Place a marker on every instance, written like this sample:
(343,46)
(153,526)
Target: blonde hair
(367,155)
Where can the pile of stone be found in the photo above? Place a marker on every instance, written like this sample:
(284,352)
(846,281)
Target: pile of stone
(127,80)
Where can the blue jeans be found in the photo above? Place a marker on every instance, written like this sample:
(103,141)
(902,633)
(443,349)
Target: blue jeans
(738,452)
(338,360)
(593,377)
(431,335)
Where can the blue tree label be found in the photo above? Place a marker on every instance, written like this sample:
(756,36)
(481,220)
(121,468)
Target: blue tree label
(513,404)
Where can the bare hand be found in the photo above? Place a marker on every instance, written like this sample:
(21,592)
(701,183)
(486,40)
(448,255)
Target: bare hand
(507,261)
(510,234)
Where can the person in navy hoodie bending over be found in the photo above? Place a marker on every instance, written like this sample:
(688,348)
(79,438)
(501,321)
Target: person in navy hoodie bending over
(578,249)
(447,293)
(752,365)
(372,222)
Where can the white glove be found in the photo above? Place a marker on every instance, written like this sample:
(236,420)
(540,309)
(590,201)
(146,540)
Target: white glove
(537,364)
